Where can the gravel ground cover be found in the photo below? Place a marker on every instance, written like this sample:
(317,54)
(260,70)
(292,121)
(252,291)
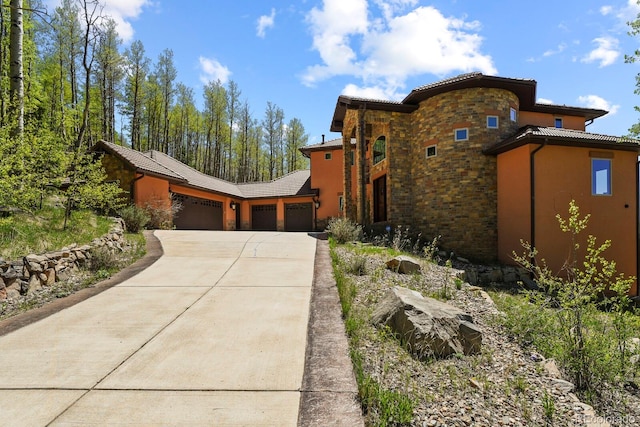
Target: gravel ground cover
(504,385)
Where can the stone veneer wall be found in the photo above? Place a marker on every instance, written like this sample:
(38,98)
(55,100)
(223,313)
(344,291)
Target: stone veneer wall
(119,171)
(455,192)
(32,272)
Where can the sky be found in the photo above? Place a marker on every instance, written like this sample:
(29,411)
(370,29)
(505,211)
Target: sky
(302,54)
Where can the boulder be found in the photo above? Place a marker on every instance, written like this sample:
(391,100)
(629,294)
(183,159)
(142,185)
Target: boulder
(404,265)
(428,327)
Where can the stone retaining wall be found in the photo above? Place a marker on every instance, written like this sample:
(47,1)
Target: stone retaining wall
(32,272)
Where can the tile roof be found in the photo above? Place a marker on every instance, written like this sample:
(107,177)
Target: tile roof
(296,183)
(195,178)
(158,163)
(563,136)
(139,160)
(331,144)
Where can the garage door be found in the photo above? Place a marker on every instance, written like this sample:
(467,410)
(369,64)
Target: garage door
(298,217)
(198,214)
(264,217)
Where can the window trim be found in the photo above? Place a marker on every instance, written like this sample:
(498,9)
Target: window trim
(513,114)
(466,133)
(383,140)
(594,178)
(555,122)
(327,155)
(435,151)
(497,122)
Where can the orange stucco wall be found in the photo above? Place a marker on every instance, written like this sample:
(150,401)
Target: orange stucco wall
(563,174)
(326,176)
(149,189)
(546,119)
(514,202)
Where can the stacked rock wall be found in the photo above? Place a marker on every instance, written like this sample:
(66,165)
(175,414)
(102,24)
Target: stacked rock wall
(32,272)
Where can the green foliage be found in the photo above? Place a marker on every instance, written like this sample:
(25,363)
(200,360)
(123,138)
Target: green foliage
(41,231)
(103,259)
(343,230)
(134,217)
(567,321)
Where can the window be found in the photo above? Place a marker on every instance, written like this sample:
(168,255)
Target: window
(431,151)
(601,177)
(492,122)
(327,156)
(513,115)
(351,157)
(558,122)
(379,150)
(461,134)
(341,203)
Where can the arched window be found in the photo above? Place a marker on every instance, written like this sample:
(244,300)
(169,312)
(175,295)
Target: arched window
(379,150)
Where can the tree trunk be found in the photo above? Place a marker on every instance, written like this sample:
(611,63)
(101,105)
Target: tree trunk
(15,67)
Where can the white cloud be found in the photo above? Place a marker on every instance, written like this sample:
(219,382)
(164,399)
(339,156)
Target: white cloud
(594,101)
(121,11)
(606,53)
(561,47)
(383,52)
(264,22)
(544,101)
(606,10)
(213,70)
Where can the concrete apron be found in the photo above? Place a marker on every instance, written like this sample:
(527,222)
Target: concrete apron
(213,333)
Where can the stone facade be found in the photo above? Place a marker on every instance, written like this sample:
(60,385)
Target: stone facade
(117,170)
(452,194)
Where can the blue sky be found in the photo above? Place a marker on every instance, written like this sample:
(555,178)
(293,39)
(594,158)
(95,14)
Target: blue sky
(301,55)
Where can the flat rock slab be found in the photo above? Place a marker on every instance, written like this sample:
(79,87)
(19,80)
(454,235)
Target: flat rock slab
(403,264)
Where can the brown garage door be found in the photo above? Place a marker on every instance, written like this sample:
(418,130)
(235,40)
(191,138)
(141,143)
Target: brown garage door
(198,214)
(298,217)
(264,217)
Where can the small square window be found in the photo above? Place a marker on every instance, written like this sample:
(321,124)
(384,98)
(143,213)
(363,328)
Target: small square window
(461,134)
(601,177)
(327,156)
(513,114)
(558,122)
(492,122)
(431,151)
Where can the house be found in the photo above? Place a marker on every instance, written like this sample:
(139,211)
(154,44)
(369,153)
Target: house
(477,161)
(209,203)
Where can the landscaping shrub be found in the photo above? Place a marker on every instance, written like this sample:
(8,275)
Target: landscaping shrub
(135,218)
(344,230)
(582,318)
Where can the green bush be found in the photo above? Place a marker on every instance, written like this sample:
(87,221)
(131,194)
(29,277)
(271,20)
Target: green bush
(344,230)
(135,218)
(569,320)
(103,259)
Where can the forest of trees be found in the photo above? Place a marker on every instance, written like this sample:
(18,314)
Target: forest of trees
(67,81)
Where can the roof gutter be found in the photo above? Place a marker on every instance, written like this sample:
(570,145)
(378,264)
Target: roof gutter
(132,185)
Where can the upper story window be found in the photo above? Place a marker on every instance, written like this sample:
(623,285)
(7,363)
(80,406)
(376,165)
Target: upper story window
(431,151)
(558,122)
(601,177)
(327,156)
(379,150)
(492,122)
(461,134)
(513,114)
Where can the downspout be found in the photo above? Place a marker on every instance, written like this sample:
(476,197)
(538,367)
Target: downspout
(637,229)
(532,172)
(362,166)
(133,186)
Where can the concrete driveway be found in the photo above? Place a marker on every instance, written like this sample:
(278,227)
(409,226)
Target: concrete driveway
(213,333)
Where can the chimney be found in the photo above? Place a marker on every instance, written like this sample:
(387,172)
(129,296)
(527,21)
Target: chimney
(323,138)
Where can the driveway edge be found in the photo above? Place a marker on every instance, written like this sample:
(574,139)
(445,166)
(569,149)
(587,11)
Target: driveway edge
(329,394)
(154,251)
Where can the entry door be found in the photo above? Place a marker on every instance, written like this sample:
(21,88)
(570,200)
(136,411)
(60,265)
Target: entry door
(380,199)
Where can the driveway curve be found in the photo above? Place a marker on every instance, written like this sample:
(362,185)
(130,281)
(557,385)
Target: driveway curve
(213,333)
